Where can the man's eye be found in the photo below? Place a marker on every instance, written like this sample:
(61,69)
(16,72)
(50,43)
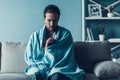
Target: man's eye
(49,20)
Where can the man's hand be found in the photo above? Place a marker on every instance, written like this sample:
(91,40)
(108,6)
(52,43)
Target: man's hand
(49,41)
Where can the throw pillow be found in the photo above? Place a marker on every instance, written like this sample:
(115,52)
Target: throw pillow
(107,69)
(13,57)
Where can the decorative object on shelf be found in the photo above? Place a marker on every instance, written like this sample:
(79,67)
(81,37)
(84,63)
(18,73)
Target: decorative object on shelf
(111,12)
(101,32)
(94,10)
(101,37)
(116,55)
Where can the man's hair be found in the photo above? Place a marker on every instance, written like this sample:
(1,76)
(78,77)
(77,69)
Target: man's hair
(51,9)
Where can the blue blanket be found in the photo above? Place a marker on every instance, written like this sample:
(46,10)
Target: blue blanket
(58,57)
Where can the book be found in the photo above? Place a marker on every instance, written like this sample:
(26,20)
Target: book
(114,40)
(89,34)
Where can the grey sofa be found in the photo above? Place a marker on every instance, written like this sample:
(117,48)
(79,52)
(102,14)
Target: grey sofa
(89,56)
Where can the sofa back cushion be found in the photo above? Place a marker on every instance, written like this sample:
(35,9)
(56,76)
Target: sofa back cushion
(0,55)
(13,57)
(89,53)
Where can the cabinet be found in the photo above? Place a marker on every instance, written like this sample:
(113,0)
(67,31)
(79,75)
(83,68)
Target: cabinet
(111,24)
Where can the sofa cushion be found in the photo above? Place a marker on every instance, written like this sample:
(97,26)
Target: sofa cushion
(89,53)
(14,76)
(107,69)
(13,57)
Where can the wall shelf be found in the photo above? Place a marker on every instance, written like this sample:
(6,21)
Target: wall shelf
(102,18)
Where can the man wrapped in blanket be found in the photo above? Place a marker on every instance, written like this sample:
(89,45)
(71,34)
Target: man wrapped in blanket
(49,53)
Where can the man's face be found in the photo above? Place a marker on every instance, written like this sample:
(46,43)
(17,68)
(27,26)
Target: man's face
(51,21)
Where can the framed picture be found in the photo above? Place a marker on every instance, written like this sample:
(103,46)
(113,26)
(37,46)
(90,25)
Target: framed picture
(94,10)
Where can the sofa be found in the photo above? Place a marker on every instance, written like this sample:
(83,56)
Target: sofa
(93,57)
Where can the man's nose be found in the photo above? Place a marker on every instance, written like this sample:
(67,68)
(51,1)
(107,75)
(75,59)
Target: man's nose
(52,23)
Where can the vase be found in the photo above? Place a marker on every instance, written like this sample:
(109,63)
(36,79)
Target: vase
(101,37)
(110,15)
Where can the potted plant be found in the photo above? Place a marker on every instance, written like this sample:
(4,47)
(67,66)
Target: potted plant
(111,11)
(101,33)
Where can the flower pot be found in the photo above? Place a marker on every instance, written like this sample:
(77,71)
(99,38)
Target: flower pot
(101,37)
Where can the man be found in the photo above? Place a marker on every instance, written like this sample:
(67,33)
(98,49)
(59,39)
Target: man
(49,53)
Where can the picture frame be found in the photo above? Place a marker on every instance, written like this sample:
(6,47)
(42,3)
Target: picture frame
(94,10)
